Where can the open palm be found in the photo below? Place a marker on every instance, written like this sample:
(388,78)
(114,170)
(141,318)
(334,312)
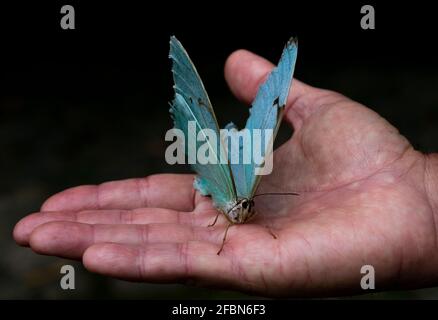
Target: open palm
(363,201)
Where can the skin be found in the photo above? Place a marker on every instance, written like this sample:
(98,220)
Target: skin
(366,198)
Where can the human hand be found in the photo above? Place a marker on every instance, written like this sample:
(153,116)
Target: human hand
(364,199)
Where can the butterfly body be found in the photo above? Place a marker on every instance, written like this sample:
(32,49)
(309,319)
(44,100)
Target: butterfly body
(231,185)
(241,212)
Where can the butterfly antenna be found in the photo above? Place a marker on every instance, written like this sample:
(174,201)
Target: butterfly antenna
(277,194)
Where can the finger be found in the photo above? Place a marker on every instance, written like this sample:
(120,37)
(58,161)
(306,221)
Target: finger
(193,261)
(170,191)
(25,226)
(246,71)
(71,239)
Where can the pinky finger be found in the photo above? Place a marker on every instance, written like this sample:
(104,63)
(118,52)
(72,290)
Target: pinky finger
(189,262)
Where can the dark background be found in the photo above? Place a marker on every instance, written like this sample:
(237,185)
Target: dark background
(90,105)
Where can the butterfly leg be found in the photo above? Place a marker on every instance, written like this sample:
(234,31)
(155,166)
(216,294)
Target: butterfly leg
(215,220)
(224,238)
(271,232)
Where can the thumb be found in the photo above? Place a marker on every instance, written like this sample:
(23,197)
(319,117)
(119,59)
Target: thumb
(246,71)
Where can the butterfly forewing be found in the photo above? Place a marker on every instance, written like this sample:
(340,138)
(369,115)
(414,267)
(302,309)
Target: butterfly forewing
(266,113)
(191,103)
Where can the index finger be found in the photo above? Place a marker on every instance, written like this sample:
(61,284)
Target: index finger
(170,191)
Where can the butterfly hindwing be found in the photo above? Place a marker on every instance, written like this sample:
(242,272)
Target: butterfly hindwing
(191,103)
(266,113)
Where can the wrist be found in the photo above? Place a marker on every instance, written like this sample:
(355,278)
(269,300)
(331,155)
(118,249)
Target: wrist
(431,183)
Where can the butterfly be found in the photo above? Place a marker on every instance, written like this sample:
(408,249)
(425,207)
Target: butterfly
(231,185)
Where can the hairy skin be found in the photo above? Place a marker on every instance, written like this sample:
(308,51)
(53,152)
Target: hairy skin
(366,197)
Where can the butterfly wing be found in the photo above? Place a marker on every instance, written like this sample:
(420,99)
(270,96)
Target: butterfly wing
(266,113)
(191,103)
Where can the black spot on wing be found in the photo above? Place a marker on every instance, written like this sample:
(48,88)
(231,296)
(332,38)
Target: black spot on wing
(201,102)
(292,41)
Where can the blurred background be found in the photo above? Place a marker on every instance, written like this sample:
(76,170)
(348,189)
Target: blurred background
(90,105)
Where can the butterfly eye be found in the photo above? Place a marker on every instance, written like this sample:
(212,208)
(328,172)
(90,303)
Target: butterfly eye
(245,204)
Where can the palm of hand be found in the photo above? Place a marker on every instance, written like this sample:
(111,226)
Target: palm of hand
(361,202)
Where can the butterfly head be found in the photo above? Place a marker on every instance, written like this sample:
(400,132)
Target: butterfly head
(242,211)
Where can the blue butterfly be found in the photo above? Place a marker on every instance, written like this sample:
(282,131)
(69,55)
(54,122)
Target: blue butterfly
(231,186)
